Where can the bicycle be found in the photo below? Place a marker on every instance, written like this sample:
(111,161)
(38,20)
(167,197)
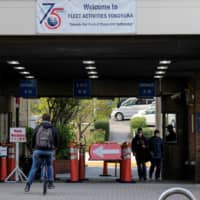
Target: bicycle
(44,174)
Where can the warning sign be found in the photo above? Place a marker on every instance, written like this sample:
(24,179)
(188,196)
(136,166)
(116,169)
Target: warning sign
(17,135)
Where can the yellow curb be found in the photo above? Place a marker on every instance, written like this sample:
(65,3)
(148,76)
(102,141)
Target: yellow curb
(100,164)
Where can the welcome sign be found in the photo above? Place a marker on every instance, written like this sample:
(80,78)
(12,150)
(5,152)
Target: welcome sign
(86,16)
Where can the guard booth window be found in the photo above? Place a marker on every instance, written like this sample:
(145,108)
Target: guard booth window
(170,127)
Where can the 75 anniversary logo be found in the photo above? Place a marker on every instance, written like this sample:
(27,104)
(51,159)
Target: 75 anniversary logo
(51,18)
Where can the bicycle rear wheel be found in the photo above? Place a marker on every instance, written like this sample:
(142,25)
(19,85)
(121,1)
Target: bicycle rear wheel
(45,183)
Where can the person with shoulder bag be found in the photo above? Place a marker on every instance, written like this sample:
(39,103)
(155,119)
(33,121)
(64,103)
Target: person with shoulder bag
(44,142)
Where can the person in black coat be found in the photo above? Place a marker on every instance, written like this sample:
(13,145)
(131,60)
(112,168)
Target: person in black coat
(156,151)
(139,149)
(171,137)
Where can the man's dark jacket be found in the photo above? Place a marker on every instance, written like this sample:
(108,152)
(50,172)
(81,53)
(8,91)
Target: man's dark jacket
(156,147)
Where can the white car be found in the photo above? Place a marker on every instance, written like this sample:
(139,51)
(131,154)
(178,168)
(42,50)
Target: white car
(129,107)
(149,114)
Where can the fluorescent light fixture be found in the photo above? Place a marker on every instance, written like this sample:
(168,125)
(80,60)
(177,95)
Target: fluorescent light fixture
(92,72)
(165,62)
(29,77)
(93,76)
(162,67)
(160,72)
(90,67)
(158,76)
(19,68)
(13,62)
(88,62)
(24,72)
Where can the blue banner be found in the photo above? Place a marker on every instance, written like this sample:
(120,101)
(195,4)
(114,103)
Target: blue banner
(28,88)
(147,89)
(82,88)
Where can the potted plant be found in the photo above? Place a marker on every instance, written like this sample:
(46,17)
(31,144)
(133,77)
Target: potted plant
(66,135)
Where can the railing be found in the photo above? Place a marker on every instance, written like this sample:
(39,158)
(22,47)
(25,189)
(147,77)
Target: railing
(173,191)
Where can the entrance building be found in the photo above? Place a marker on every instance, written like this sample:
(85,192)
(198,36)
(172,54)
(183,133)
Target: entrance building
(164,34)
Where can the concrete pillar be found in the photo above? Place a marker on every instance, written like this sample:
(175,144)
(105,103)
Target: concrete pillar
(5,110)
(159,115)
(197,125)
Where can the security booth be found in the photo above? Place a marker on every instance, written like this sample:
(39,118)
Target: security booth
(178,113)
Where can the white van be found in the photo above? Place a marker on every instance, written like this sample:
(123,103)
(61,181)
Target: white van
(129,107)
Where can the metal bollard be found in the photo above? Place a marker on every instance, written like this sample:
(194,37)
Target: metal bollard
(178,190)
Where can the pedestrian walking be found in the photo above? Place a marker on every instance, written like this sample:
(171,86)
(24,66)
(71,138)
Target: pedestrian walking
(156,151)
(139,149)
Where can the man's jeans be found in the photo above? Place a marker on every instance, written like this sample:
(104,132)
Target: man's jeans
(36,163)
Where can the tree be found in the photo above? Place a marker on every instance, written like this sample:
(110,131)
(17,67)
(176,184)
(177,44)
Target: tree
(88,112)
(85,116)
(61,110)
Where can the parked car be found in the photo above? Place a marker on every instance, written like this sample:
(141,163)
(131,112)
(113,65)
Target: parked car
(149,114)
(129,107)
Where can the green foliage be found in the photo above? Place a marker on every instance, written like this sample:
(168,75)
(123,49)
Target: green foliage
(103,125)
(138,122)
(95,136)
(29,135)
(148,132)
(39,106)
(66,135)
(103,109)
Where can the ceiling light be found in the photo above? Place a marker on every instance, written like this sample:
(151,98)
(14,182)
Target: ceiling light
(19,67)
(162,67)
(88,62)
(92,72)
(93,76)
(13,62)
(90,67)
(165,62)
(24,72)
(29,77)
(158,76)
(160,72)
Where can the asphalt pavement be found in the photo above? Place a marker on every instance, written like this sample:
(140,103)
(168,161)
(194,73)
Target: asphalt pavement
(97,187)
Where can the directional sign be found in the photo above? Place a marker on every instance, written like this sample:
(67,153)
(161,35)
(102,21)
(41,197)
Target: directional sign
(146,89)
(105,151)
(28,88)
(81,88)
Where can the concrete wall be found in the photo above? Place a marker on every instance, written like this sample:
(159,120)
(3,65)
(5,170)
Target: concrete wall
(153,17)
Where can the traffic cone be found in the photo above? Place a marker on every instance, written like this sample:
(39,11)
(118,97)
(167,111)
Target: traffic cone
(11,159)
(126,176)
(3,165)
(74,170)
(82,163)
(105,169)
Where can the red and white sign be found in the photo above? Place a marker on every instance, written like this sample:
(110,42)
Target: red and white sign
(105,151)
(17,135)
(3,151)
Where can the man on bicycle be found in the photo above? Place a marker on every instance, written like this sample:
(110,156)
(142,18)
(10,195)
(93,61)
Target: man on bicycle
(44,141)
